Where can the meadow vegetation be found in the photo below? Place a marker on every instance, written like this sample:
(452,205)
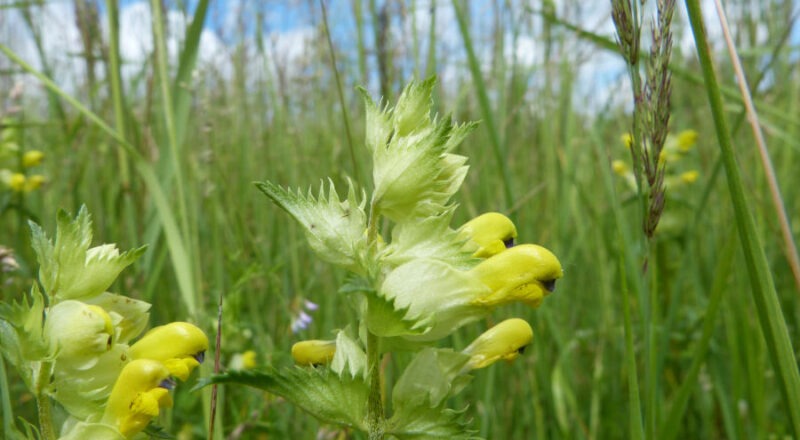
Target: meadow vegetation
(166,157)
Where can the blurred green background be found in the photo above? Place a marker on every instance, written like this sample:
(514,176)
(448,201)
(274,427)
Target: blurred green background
(202,108)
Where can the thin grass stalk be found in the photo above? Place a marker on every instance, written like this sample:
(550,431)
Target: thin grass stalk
(671,426)
(486,108)
(430,64)
(162,67)
(635,425)
(789,247)
(342,101)
(770,315)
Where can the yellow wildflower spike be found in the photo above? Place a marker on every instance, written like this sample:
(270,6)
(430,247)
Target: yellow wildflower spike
(313,352)
(180,346)
(32,158)
(141,390)
(492,232)
(503,341)
(525,273)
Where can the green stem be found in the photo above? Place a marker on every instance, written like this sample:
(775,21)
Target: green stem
(770,315)
(375,418)
(43,403)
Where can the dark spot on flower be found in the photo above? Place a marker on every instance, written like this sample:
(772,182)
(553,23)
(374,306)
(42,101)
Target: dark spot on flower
(200,357)
(509,242)
(550,285)
(123,357)
(521,350)
(167,383)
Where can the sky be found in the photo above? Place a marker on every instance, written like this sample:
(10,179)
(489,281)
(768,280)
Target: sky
(287,26)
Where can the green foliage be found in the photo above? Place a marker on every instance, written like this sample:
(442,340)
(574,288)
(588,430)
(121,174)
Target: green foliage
(541,155)
(330,397)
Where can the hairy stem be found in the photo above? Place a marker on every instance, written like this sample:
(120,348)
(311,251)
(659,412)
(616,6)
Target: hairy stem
(43,403)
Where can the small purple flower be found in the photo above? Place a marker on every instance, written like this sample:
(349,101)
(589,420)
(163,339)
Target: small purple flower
(302,320)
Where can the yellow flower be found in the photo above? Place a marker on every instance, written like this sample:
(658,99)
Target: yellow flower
(690,176)
(34,182)
(17,182)
(243,361)
(180,346)
(503,341)
(313,352)
(141,390)
(490,234)
(627,140)
(686,140)
(525,273)
(620,167)
(32,158)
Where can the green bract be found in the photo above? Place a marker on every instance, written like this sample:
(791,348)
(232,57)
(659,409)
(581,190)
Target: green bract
(410,287)
(414,172)
(69,269)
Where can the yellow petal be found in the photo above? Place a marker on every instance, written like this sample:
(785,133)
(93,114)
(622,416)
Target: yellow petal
(525,273)
(503,341)
(179,345)
(313,352)
(490,234)
(137,396)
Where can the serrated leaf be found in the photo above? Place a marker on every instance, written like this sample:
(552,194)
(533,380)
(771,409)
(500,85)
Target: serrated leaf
(422,422)
(414,172)
(385,319)
(320,392)
(430,238)
(335,230)
(433,294)
(21,333)
(69,269)
(350,358)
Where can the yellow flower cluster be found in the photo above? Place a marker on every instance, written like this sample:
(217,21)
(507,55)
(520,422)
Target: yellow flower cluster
(675,149)
(16,174)
(508,273)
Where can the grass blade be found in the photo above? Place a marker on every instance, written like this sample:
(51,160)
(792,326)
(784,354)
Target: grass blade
(770,315)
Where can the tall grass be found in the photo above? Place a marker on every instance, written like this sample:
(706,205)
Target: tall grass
(166,157)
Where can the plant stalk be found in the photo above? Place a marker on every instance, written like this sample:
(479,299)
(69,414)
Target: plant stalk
(43,408)
(770,314)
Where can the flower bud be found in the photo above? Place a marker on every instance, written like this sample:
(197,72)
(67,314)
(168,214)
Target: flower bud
(525,273)
(79,332)
(313,352)
(180,346)
(489,234)
(141,390)
(503,341)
